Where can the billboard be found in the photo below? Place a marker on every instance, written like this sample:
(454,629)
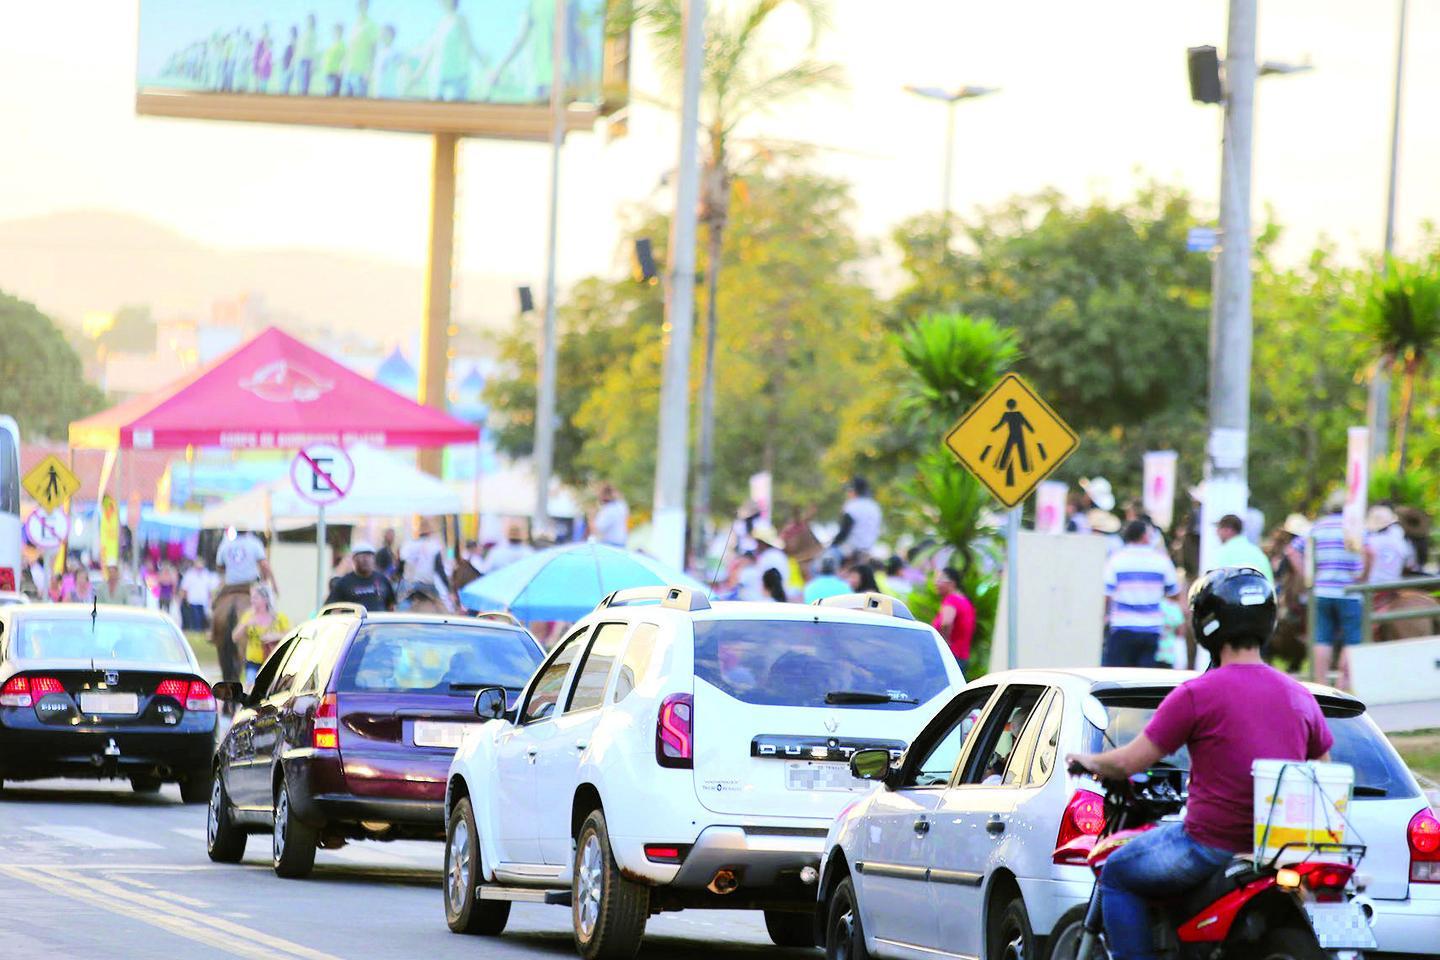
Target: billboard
(464,66)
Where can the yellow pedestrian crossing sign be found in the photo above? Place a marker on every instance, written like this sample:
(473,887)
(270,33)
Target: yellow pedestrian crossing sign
(1011,440)
(51,482)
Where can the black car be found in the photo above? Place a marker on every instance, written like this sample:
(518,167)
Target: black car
(350,727)
(103,692)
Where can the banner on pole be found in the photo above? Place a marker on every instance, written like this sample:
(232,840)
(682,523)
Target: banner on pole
(1159,495)
(1050,506)
(1357,485)
(760,494)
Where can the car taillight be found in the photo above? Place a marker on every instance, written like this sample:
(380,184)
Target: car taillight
(666,852)
(674,742)
(1424,836)
(199,697)
(27,691)
(7,579)
(326,735)
(1084,817)
(174,689)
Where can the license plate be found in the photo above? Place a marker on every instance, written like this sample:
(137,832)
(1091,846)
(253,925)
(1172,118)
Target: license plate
(819,775)
(1340,926)
(435,733)
(114,703)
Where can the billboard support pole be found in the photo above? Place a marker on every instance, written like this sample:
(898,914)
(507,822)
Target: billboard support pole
(435,326)
(545,396)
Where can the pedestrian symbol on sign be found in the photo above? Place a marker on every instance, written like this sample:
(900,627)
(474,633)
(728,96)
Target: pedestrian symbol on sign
(1011,440)
(1015,423)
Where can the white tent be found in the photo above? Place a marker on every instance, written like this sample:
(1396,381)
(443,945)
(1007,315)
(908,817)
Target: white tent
(386,485)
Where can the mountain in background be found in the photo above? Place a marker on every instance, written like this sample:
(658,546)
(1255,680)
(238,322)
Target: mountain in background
(70,264)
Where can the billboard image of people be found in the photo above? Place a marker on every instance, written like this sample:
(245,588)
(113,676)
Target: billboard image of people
(462,51)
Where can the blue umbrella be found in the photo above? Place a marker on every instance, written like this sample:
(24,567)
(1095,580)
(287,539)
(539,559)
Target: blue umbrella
(565,583)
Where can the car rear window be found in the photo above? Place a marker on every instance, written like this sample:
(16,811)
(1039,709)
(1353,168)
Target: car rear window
(73,638)
(1358,742)
(798,663)
(436,658)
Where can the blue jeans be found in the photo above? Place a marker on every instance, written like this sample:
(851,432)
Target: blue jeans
(1130,648)
(1156,865)
(1337,621)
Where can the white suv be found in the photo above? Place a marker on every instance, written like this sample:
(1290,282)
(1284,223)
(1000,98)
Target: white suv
(694,756)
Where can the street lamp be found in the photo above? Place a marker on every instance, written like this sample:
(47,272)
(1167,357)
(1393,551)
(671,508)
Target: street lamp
(949,98)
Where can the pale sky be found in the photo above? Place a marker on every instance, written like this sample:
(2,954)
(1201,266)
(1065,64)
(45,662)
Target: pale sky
(1094,99)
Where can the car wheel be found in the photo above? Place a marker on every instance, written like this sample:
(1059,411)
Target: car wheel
(1289,943)
(224,841)
(1010,935)
(844,937)
(195,786)
(145,784)
(790,929)
(1064,941)
(609,911)
(292,848)
(464,911)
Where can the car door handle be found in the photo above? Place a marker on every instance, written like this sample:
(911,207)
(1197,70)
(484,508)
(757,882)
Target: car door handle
(531,753)
(995,825)
(581,744)
(922,827)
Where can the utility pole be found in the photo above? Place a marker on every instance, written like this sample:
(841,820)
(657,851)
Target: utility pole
(1379,400)
(672,451)
(439,274)
(545,395)
(1231,326)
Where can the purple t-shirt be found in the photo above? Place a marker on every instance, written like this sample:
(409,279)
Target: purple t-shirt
(1230,717)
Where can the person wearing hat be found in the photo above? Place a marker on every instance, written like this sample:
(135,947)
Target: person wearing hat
(1389,549)
(514,548)
(1337,614)
(364,584)
(770,554)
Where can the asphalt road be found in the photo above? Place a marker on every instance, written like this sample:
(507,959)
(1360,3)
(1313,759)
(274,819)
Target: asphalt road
(98,872)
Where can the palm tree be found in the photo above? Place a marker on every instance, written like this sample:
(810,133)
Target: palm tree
(1402,316)
(738,82)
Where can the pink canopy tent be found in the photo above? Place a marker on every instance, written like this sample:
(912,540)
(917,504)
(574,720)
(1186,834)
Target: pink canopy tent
(272,392)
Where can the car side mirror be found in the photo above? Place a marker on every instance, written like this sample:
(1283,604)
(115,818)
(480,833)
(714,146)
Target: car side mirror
(490,703)
(228,691)
(870,764)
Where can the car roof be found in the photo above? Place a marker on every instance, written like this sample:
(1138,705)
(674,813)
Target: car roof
(405,616)
(79,611)
(753,610)
(1103,679)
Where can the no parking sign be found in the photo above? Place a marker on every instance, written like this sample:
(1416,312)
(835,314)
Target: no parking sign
(322,473)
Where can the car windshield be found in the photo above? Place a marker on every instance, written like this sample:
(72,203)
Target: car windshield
(76,638)
(805,663)
(1379,771)
(437,658)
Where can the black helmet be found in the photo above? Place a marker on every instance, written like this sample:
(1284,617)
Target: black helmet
(1234,604)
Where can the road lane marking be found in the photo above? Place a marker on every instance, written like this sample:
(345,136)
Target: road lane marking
(94,839)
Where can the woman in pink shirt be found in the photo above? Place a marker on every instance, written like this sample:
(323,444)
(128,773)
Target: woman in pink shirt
(956,620)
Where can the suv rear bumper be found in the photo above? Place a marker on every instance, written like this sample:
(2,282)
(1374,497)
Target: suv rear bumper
(765,860)
(1409,925)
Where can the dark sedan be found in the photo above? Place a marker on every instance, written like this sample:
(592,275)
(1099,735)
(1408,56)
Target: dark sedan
(350,727)
(102,692)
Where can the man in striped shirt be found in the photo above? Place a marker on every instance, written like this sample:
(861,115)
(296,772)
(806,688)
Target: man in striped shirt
(1337,614)
(1137,579)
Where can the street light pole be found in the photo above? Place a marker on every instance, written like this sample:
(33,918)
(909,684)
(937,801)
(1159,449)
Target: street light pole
(672,451)
(1379,400)
(1231,330)
(545,394)
(950,98)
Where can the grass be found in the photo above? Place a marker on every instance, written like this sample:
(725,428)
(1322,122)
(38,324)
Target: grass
(204,652)
(1420,751)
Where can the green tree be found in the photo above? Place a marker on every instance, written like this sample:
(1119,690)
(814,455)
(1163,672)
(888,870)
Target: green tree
(1402,318)
(41,382)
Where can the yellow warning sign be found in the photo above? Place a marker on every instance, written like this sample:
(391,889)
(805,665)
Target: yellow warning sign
(1011,440)
(51,482)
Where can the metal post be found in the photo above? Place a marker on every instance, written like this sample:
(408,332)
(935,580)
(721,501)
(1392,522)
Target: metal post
(322,564)
(1379,399)
(949,162)
(1012,588)
(545,395)
(672,454)
(439,269)
(1226,488)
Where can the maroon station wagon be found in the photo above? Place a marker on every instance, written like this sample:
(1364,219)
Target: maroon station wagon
(349,730)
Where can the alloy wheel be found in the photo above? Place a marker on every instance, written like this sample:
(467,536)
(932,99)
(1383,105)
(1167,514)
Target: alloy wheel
(212,820)
(282,823)
(843,935)
(591,876)
(458,880)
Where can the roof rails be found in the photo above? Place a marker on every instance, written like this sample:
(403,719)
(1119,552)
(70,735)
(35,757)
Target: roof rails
(339,609)
(672,598)
(500,615)
(886,606)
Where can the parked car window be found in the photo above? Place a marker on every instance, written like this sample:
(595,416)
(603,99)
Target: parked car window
(635,666)
(75,638)
(1047,746)
(270,669)
(589,687)
(301,659)
(545,692)
(797,663)
(1001,733)
(1017,768)
(940,755)
(436,658)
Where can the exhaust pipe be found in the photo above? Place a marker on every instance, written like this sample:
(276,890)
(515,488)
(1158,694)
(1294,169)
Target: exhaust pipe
(723,882)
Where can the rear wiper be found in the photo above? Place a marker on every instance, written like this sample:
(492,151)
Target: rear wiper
(466,685)
(847,697)
(1365,790)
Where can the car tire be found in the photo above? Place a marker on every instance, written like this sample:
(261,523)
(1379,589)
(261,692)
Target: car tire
(464,911)
(608,912)
(224,840)
(195,786)
(293,844)
(145,784)
(1009,936)
(1289,943)
(790,929)
(844,935)
(1064,941)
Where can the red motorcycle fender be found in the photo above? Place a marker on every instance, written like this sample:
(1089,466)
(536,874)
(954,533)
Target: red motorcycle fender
(1213,924)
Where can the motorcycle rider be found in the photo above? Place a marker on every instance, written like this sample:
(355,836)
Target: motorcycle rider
(1242,711)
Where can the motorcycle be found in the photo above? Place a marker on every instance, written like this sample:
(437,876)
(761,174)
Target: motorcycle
(1249,910)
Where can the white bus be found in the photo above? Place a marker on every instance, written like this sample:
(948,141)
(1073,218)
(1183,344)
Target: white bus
(11,563)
